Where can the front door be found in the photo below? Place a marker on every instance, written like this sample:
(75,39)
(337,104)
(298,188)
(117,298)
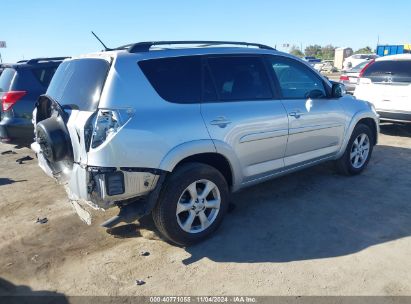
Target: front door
(316,122)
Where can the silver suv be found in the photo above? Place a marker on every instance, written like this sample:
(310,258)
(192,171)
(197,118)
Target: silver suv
(156,128)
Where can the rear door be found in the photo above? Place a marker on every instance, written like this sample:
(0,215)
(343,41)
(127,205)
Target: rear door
(316,122)
(387,84)
(242,113)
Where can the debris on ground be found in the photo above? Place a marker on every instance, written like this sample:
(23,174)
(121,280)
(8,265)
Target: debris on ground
(42,220)
(8,152)
(145,253)
(140,282)
(25,158)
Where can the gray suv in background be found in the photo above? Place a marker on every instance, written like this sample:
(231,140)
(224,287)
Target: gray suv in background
(157,128)
(21,84)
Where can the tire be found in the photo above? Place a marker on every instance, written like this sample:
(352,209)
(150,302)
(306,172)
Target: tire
(182,201)
(346,164)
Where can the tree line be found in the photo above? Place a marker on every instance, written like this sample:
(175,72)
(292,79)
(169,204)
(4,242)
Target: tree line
(323,52)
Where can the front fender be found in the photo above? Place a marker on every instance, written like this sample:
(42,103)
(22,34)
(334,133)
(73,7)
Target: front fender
(354,121)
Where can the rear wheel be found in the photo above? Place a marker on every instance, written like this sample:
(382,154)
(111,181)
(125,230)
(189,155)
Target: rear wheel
(358,152)
(192,204)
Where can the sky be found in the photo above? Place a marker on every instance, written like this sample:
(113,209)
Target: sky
(62,27)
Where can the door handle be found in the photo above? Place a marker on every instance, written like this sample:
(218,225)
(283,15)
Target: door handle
(222,122)
(296,114)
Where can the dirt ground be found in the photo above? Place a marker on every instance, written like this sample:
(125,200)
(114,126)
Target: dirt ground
(310,233)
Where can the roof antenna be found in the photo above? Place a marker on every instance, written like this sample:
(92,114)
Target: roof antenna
(105,47)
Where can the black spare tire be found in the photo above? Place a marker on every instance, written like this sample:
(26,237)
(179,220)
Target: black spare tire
(54,140)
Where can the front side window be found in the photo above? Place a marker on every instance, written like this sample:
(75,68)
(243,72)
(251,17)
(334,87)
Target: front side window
(297,81)
(239,78)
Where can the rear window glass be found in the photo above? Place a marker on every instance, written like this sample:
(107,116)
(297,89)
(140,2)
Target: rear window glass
(395,71)
(175,79)
(44,75)
(78,83)
(240,78)
(359,67)
(6,78)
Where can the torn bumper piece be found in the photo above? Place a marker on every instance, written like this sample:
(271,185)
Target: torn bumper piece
(105,187)
(132,212)
(134,190)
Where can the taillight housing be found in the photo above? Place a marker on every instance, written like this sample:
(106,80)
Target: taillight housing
(10,98)
(366,67)
(344,78)
(107,123)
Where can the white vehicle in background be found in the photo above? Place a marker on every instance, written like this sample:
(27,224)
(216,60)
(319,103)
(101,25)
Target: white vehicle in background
(350,78)
(326,66)
(386,82)
(356,59)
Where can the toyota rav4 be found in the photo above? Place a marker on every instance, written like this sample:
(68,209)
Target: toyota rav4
(172,128)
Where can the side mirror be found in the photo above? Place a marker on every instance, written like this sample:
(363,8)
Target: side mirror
(338,90)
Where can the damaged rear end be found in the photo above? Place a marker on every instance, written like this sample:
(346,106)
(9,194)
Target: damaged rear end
(69,124)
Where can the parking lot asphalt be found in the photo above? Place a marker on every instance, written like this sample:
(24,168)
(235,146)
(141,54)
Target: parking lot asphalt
(310,233)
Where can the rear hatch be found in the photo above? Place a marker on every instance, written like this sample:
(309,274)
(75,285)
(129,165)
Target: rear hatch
(387,84)
(71,100)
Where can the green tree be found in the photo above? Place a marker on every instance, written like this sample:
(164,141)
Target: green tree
(313,50)
(328,52)
(364,50)
(296,51)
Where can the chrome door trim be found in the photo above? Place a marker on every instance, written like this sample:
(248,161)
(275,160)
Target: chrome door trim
(263,135)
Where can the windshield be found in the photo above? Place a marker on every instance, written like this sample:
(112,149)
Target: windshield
(6,79)
(78,83)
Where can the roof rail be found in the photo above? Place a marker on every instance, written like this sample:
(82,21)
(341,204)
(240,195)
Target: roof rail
(37,60)
(145,46)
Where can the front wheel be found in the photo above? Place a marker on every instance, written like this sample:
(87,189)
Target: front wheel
(192,204)
(358,152)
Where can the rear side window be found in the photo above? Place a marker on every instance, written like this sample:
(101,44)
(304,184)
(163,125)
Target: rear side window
(6,79)
(78,83)
(175,79)
(44,75)
(391,71)
(239,78)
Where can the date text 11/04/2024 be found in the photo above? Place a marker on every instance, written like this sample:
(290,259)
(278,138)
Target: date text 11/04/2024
(203,299)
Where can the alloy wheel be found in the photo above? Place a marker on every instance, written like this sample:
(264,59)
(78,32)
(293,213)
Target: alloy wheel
(198,206)
(360,150)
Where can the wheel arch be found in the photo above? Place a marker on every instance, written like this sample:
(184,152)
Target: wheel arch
(202,151)
(215,160)
(372,125)
(364,118)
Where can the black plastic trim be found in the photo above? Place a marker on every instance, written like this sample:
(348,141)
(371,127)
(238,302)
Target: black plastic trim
(145,46)
(139,169)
